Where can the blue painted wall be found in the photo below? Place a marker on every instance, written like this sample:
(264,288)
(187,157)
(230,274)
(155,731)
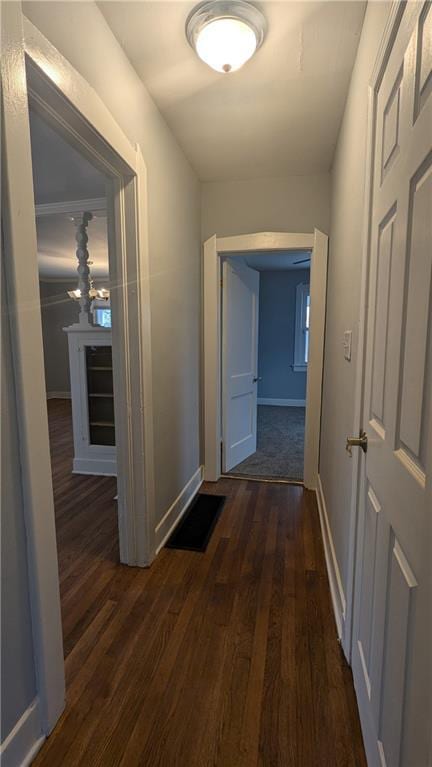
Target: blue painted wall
(276,335)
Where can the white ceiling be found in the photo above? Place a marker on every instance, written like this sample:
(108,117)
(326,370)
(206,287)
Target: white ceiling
(267,261)
(61,174)
(57,246)
(277,116)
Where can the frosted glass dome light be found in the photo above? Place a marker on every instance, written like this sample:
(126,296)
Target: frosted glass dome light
(225,34)
(226,44)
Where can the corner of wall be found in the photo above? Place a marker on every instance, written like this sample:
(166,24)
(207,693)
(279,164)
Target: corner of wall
(178,508)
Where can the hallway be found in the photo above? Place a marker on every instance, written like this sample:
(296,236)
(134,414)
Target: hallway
(240,176)
(227,658)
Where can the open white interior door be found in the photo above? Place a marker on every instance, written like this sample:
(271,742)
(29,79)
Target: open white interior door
(392,633)
(240,296)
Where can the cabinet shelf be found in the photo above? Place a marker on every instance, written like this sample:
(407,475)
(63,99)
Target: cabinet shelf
(101,394)
(91,367)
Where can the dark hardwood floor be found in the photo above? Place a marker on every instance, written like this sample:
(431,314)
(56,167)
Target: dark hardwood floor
(226,658)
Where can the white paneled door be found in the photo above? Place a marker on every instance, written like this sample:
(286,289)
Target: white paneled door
(392,638)
(240,297)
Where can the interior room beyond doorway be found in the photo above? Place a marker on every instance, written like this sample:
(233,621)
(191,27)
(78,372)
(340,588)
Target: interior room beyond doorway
(281,359)
(74,288)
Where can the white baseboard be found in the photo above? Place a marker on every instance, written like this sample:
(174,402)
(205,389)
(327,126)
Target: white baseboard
(24,741)
(334,576)
(58,395)
(105,467)
(282,402)
(178,508)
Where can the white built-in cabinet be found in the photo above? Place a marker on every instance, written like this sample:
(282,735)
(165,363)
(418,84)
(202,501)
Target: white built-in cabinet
(91,376)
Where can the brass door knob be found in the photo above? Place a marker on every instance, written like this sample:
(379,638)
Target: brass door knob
(360,441)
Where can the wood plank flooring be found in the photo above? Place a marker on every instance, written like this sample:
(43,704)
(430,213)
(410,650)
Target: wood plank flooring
(227,658)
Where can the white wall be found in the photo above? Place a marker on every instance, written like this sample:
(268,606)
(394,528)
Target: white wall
(293,204)
(80,33)
(343,303)
(58,311)
(276,337)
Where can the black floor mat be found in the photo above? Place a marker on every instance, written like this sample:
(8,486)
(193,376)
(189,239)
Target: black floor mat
(194,530)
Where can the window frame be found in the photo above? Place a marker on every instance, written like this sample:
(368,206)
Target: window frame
(302,292)
(100,304)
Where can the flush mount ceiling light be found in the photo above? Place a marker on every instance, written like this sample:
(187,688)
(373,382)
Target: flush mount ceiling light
(225,33)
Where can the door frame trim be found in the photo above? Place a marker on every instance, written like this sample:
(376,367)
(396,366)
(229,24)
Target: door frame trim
(215,248)
(77,113)
(34,71)
(390,31)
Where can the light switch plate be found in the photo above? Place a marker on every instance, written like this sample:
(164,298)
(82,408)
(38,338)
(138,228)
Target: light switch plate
(347,344)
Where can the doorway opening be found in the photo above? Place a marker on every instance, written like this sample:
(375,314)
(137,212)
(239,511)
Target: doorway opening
(70,197)
(265,350)
(230,391)
(68,104)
